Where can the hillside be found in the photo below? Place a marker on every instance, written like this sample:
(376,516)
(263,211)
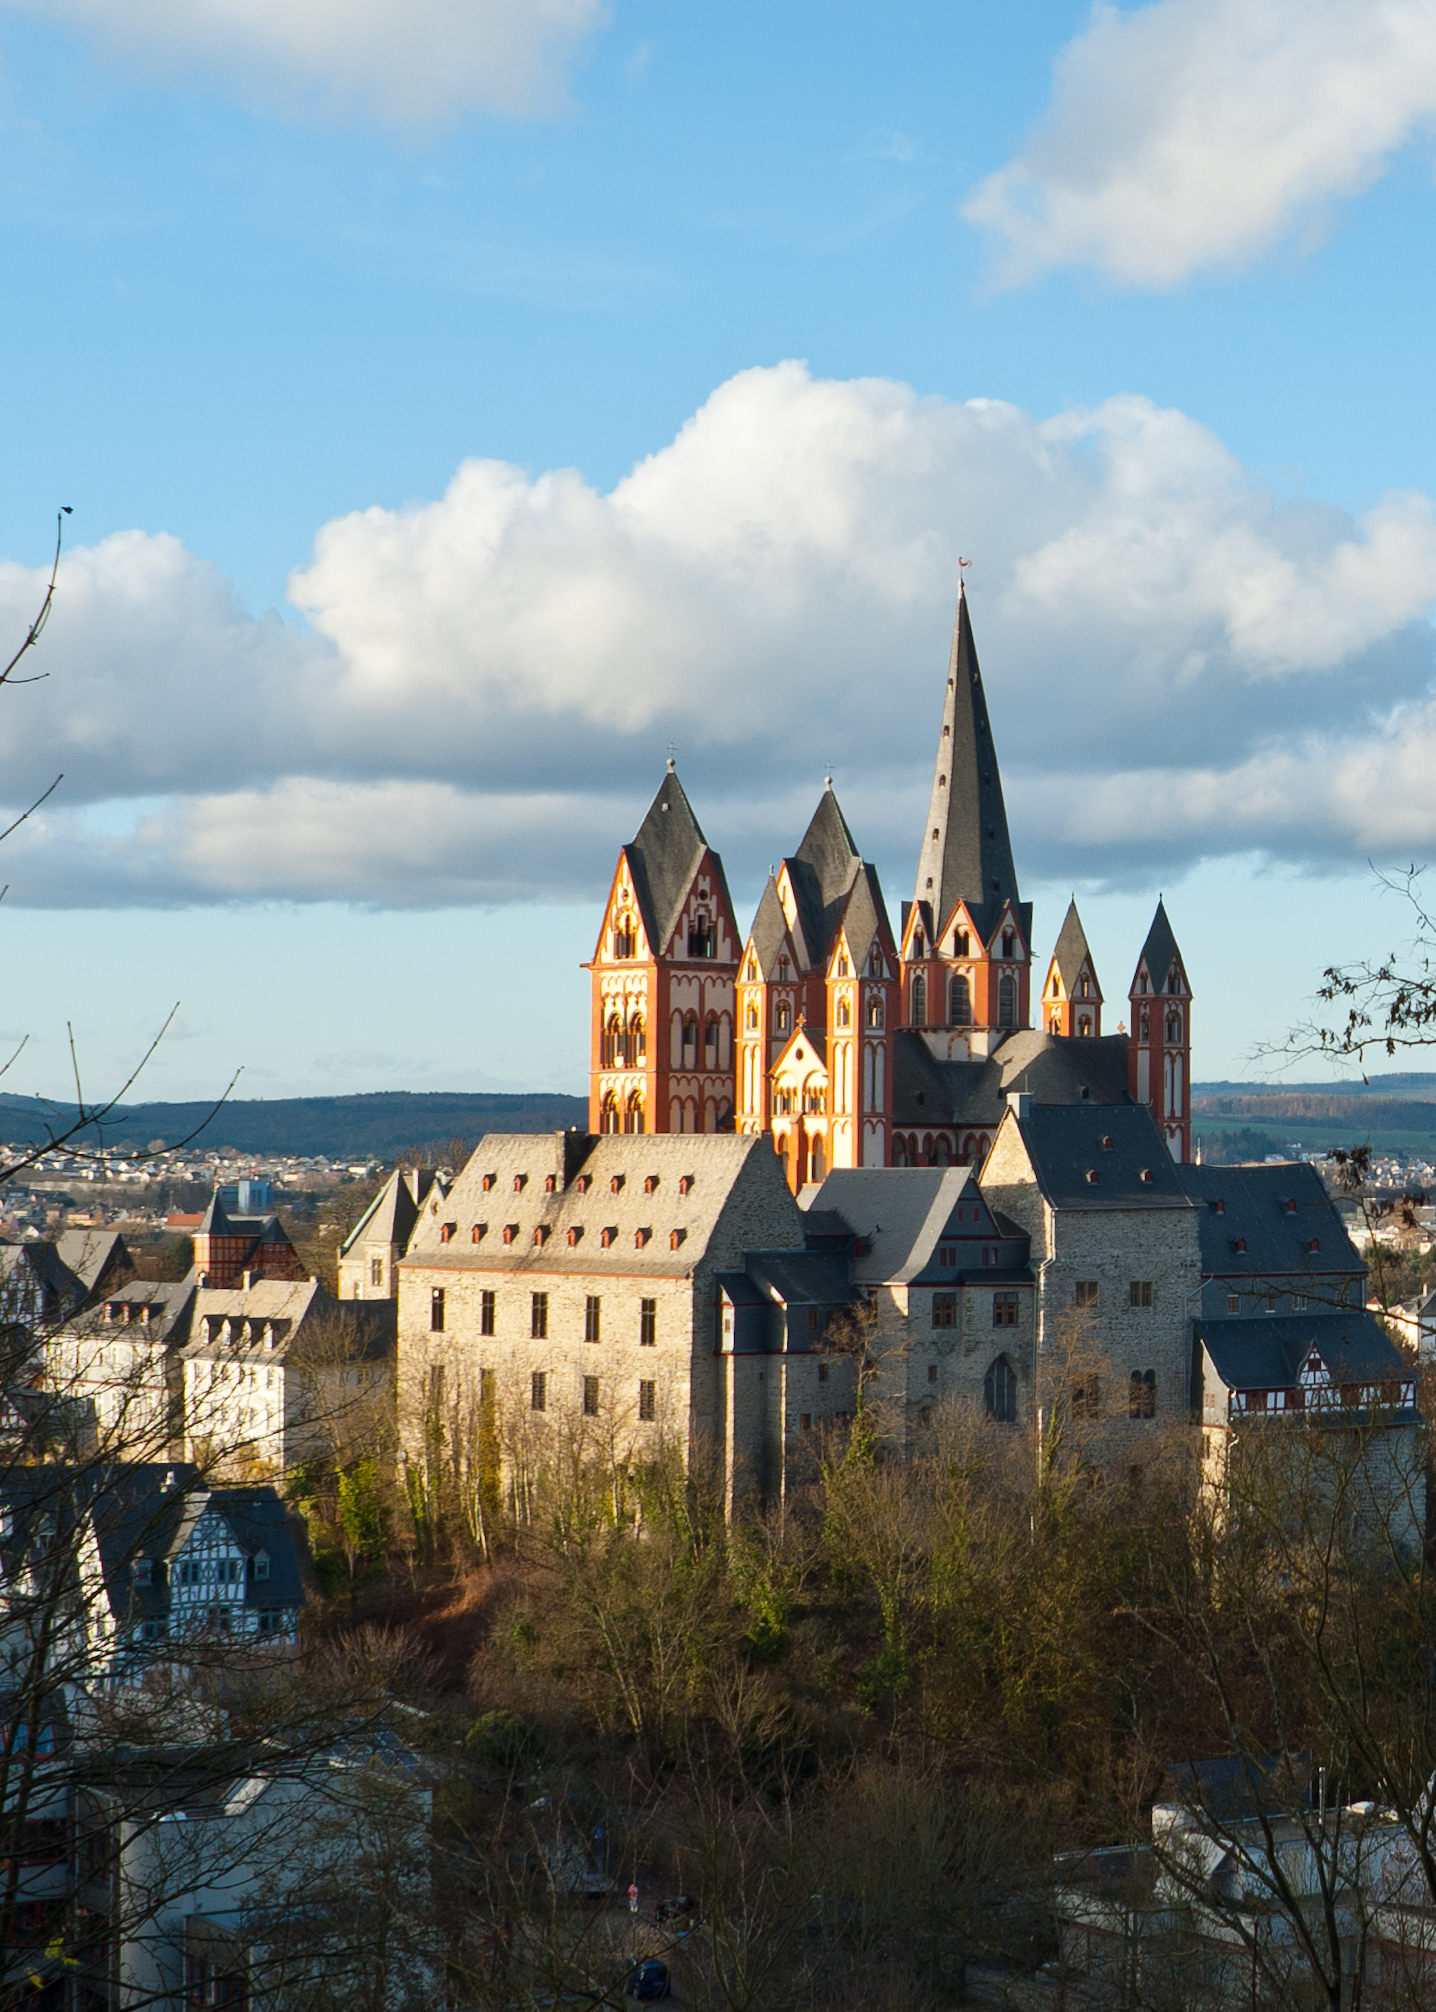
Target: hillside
(380,1124)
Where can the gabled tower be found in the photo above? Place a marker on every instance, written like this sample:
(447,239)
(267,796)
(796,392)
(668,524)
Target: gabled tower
(817,1003)
(1072,998)
(662,1032)
(1159,1054)
(967,934)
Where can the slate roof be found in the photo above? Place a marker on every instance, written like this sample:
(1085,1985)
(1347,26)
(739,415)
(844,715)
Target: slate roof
(1072,953)
(821,873)
(38,1263)
(714,1161)
(970,859)
(150,1510)
(1277,1212)
(303,1307)
(663,859)
(769,933)
(865,917)
(1160,951)
(1268,1352)
(1094,1156)
(1052,1068)
(802,1278)
(391,1216)
(898,1212)
(92,1253)
(171,1302)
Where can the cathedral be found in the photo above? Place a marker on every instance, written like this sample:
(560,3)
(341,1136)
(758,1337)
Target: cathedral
(849,1046)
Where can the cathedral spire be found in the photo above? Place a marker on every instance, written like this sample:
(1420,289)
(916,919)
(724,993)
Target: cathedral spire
(1072,998)
(966,853)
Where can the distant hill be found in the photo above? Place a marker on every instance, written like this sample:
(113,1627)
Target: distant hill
(1394,1083)
(382,1123)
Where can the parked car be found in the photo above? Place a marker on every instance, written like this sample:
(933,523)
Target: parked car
(648,1979)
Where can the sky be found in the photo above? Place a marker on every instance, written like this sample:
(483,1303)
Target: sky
(462,403)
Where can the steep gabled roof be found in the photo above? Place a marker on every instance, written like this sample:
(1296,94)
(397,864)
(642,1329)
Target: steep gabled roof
(1096,1156)
(966,850)
(1159,952)
(91,1253)
(864,915)
(769,933)
(663,859)
(1072,953)
(821,872)
(1261,1223)
(1271,1350)
(391,1216)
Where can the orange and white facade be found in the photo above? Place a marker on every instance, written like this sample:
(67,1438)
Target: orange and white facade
(1159,1054)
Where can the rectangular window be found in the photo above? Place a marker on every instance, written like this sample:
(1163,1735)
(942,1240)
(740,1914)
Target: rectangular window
(538,1390)
(647,1400)
(486,1313)
(989,1254)
(822,1372)
(1298,1302)
(805,1421)
(1142,1394)
(1234,1304)
(1086,1292)
(538,1317)
(944,1309)
(647,1323)
(1139,1292)
(932,1372)
(376,1271)
(1004,1309)
(436,1310)
(947,1255)
(143,1571)
(592,1317)
(590,1397)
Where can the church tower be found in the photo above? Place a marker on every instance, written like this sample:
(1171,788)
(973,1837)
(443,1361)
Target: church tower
(661,1041)
(967,934)
(817,1000)
(1072,998)
(1159,1053)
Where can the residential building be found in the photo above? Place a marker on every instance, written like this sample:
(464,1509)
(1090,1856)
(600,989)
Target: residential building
(227,1248)
(370,1254)
(122,1356)
(277,1371)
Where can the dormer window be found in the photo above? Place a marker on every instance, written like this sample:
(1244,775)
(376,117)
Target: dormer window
(488,1181)
(650,1183)
(685,1184)
(1290,1207)
(1219,1207)
(1109,1144)
(478,1233)
(550,1183)
(615,1186)
(583,1183)
(511,1230)
(521,1181)
(144,1571)
(261,1564)
(606,1237)
(573,1236)
(446,1234)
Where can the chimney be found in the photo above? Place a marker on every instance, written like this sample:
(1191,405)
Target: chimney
(1019,1102)
(247,1280)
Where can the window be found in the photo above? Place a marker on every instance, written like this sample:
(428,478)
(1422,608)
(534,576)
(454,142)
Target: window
(1298,1302)
(805,1421)
(144,1572)
(944,1309)
(946,1254)
(1139,1292)
(959,942)
(446,1234)
(822,1372)
(1007,1000)
(261,1564)
(845,1018)
(1087,1398)
(919,1001)
(436,1310)
(486,1313)
(538,1390)
(376,1271)
(1142,1394)
(875,1012)
(538,1317)
(647,1400)
(647,1323)
(999,1392)
(1004,1309)
(989,1255)
(606,1236)
(592,1317)
(590,1397)
(782,1019)
(1086,1292)
(750,1019)
(932,1372)
(959,1001)
(1234,1304)
(1009,943)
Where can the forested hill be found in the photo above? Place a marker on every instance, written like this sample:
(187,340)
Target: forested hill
(383,1123)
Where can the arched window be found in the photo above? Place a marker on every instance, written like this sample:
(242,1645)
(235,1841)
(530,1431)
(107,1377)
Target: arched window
(623,940)
(919,1001)
(941,1153)
(1084,1025)
(815,1159)
(750,1017)
(1174,1028)
(1055,1024)
(689,1053)
(1142,1394)
(633,1116)
(637,1041)
(999,1392)
(608,1114)
(845,1018)
(899,1151)
(875,1012)
(959,1001)
(710,1042)
(959,942)
(783,1017)
(1007,1000)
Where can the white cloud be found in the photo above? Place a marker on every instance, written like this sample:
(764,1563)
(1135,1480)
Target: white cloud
(408,61)
(1177,666)
(1199,133)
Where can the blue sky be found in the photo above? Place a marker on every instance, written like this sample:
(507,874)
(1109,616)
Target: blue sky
(461,405)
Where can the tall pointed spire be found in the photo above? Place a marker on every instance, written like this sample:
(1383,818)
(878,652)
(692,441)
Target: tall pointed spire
(966,853)
(1072,998)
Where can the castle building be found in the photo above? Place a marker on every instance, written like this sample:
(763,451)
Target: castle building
(847,1046)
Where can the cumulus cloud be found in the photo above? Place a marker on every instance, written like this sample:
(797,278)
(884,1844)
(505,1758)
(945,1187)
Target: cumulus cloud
(479,705)
(1199,133)
(408,61)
